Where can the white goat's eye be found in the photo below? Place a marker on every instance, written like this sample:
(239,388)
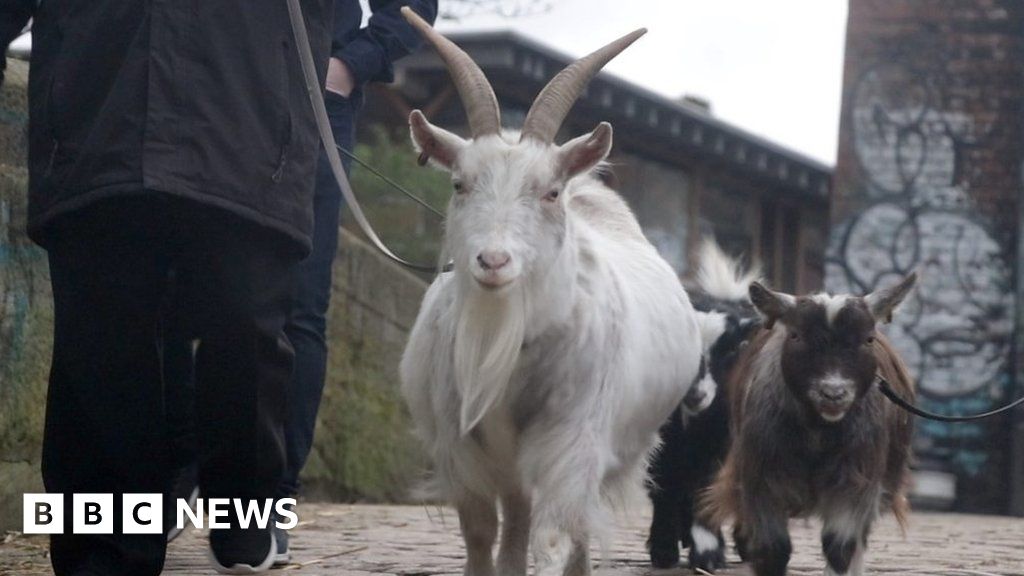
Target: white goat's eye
(457,186)
(552,195)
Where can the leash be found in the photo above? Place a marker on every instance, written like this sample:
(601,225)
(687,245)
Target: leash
(886,389)
(391,182)
(316,99)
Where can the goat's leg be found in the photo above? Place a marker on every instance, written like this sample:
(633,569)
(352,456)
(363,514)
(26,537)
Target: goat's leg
(478,518)
(579,557)
(551,550)
(739,538)
(665,535)
(667,468)
(707,547)
(704,539)
(515,534)
(845,534)
(766,537)
(568,484)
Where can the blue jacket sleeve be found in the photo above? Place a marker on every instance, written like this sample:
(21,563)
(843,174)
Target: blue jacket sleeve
(14,15)
(369,54)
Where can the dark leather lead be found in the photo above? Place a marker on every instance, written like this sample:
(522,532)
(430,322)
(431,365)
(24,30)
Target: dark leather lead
(889,393)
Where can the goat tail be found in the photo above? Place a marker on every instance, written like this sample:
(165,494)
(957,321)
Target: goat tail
(722,276)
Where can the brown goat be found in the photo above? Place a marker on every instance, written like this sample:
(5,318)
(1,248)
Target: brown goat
(810,433)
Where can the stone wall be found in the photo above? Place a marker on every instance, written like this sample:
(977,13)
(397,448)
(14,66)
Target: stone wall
(363,450)
(928,178)
(25,312)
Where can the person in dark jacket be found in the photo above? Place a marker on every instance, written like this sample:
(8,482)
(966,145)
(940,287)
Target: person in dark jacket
(359,55)
(172,155)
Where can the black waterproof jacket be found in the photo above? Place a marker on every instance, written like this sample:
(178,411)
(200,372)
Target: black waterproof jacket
(370,51)
(200,99)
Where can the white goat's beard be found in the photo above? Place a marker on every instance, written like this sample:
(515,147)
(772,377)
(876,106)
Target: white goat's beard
(488,338)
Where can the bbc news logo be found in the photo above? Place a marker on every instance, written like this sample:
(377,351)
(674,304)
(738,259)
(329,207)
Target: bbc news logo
(143,513)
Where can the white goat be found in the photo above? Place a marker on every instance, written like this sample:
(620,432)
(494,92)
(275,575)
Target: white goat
(540,368)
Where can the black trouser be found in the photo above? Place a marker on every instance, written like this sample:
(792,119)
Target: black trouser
(306,326)
(119,270)
(307,322)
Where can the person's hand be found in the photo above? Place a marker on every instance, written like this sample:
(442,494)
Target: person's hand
(339,78)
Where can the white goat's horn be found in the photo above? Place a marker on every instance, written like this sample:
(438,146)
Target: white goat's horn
(474,90)
(556,99)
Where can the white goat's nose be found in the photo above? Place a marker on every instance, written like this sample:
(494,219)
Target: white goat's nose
(493,259)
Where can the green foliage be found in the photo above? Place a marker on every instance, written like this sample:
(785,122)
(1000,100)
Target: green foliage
(24,371)
(410,230)
(364,450)
(26,311)
(26,317)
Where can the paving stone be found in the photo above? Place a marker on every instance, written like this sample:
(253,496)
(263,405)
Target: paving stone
(364,540)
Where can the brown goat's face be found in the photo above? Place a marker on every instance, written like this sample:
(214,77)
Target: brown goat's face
(828,358)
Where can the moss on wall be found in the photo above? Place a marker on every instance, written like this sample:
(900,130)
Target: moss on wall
(26,312)
(363,449)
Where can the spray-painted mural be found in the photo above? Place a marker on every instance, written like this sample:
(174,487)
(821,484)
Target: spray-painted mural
(911,130)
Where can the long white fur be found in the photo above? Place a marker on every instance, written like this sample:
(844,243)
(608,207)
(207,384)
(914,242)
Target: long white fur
(703,539)
(557,392)
(490,332)
(712,326)
(721,276)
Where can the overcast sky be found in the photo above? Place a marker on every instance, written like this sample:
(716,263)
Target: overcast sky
(771,67)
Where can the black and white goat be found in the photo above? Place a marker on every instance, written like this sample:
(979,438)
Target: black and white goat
(695,439)
(810,433)
(540,368)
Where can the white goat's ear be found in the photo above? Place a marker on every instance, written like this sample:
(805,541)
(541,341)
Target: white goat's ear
(883,302)
(433,143)
(771,305)
(584,152)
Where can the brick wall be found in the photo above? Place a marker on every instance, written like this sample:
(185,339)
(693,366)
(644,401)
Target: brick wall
(928,178)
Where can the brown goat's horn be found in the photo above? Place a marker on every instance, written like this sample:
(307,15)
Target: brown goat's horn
(554,102)
(474,90)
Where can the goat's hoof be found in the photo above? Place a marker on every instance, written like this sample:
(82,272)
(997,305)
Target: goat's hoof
(708,560)
(666,556)
(741,547)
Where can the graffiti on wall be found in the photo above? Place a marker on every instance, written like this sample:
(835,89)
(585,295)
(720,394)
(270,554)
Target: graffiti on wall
(909,136)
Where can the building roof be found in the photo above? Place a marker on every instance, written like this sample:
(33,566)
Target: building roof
(518,67)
